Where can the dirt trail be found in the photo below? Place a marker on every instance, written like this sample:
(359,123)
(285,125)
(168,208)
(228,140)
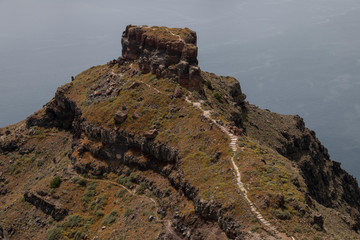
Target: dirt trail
(239,183)
(233,144)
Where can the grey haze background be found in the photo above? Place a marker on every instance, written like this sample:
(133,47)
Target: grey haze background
(290,56)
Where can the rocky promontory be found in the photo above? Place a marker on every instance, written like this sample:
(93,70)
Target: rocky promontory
(166,52)
(148,146)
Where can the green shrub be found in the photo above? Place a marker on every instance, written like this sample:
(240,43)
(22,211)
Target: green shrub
(80,182)
(40,162)
(99,213)
(128,212)
(121,193)
(55,182)
(98,203)
(78,235)
(217,95)
(54,233)
(134,177)
(282,214)
(73,221)
(208,85)
(90,192)
(141,189)
(110,218)
(254,228)
(125,181)
(297,229)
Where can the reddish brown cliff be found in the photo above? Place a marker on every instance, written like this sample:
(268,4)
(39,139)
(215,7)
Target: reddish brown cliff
(166,52)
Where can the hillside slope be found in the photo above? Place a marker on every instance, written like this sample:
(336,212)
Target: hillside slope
(149,146)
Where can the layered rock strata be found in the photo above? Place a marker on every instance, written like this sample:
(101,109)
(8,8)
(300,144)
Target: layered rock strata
(43,203)
(166,52)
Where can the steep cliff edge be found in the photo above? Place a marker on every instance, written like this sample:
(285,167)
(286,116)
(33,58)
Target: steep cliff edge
(149,146)
(166,52)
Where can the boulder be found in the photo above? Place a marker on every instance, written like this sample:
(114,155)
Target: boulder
(317,219)
(136,115)
(178,92)
(151,134)
(120,116)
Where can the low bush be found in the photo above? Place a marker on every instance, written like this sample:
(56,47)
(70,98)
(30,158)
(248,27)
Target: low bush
(208,85)
(80,182)
(110,218)
(217,95)
(125,181)
(54,233)
(121,193)
(282,214)
(78,235)
(141,189)
(98,203)
(128,212)
(73,221)
(90,192)
(55,182)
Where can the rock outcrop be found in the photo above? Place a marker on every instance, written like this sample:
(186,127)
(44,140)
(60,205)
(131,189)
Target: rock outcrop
(57,212)
(326,181)
(166,52)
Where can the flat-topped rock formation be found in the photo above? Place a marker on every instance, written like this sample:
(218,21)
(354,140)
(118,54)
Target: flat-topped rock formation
(166,52)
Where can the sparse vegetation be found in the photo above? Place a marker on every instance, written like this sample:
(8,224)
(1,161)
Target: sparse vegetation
(80,182)
(54,233)
(121,193)
(90,192)
(282,214)
(73,221)
(217,96)
(128,212)
(141,189)
(110,218)
(297,229)
(98,203)
(208,85)
(79,235)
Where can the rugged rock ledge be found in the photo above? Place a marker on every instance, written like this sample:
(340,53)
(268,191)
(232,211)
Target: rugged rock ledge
(114,145)
(166,52)
(57,212)
(326,181)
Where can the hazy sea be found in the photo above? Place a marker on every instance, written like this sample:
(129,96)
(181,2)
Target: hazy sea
(290,56)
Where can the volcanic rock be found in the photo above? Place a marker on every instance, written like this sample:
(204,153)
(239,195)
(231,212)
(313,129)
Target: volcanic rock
(151,134)
(166,52)
(120,116)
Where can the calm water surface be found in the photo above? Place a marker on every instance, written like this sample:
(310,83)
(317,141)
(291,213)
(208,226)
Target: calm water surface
(290,56)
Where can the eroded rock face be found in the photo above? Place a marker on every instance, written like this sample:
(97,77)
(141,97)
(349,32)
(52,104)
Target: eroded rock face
(120,116)
(166,52)
(45,205)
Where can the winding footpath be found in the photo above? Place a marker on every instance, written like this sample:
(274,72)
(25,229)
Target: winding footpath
(233,144)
